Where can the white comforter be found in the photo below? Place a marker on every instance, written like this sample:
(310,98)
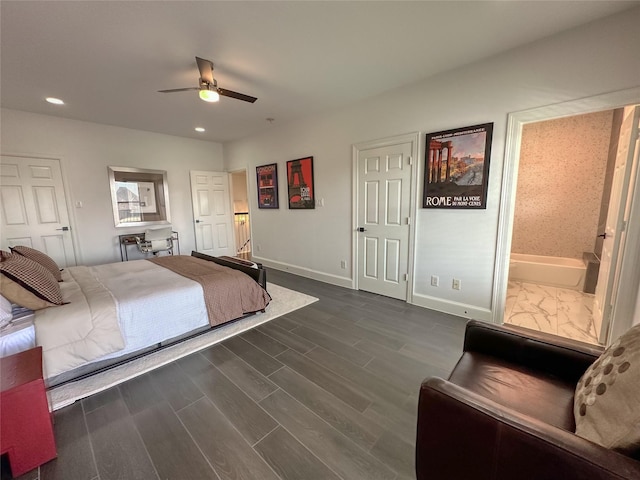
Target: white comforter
(116,309)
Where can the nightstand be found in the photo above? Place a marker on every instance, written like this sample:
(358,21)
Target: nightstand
(26,429)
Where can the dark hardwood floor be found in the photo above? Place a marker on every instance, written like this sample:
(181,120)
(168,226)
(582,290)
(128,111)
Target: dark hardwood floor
(326,392)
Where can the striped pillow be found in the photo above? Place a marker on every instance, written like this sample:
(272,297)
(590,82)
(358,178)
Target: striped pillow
(33,277)
(37,256)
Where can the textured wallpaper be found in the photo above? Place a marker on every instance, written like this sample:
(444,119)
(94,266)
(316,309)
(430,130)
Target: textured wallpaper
(560,183)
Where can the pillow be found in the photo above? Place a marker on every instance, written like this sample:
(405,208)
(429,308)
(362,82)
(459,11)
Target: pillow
(19,295)
(37,256)
(31,276)
(606,401)
(5,312)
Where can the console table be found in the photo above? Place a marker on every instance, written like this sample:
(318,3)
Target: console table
(128,239)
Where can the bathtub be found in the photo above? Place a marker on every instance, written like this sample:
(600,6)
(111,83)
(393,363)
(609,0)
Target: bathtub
(552,271)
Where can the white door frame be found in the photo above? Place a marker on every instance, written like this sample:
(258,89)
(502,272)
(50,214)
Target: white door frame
(414,139)
(624,304)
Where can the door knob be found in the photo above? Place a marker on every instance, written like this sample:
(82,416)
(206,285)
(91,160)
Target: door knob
(362,229)
(197,221)
(64,229)
(604,235)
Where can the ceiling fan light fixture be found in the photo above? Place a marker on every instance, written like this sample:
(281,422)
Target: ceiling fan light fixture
(209,95)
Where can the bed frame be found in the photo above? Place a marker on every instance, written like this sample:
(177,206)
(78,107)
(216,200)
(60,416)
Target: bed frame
(257,272)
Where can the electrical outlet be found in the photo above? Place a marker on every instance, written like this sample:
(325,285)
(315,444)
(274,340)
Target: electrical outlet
(258,247)
(435,281)
(343,264)
(456,284)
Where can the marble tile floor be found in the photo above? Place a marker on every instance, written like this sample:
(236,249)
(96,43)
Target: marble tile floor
(559,311)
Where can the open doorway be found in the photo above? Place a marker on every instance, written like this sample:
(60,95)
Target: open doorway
(242,225)
(623,284)
(564,183)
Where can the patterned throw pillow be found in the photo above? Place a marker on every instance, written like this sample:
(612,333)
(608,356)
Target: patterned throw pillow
(606,404)
(37,256)
(31,276)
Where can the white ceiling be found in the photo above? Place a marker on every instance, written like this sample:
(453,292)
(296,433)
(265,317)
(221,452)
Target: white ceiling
(107,59)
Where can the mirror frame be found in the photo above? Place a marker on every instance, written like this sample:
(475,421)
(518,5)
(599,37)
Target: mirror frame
(141,175)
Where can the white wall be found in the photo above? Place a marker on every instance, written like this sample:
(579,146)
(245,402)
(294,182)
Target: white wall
(594,59)
(86,149)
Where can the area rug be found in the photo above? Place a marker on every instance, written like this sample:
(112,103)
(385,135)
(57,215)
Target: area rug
(283,301)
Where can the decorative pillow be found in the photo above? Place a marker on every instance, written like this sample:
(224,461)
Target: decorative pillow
(606,403)
(32,276)
(5,311)
(19,295)
(37,256)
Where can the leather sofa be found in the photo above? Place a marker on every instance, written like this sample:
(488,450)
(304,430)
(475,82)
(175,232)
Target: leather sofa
(506,412)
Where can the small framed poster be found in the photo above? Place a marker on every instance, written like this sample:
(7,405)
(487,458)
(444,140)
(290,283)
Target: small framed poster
(267,181)
(456,167)
(301,192)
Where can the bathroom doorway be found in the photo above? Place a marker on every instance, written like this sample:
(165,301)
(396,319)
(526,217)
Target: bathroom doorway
(564,181)
(242,225)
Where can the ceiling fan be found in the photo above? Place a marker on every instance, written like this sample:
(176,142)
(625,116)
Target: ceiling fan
(209,90)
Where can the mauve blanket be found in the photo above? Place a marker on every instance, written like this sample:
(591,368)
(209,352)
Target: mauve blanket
(228,293)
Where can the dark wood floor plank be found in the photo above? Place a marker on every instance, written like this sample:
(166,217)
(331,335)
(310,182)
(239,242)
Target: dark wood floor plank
(264,342)
(336,346)
(252,422)
(309,314)
(175,385)
(118,448)
(334,449)
(171,448)
(255,357)
(290,459)
(367,382)
(399,419)
(289,339)
(398,369)
(252,382)
(105,397)
(194,364)
(285,322)
(140,393)
(75,457)
(334,384)
(231,456)
(348,421)
(396,453)
(343,325)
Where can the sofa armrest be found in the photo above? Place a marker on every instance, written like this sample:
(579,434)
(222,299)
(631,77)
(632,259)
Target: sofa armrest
(555,355)
(463,435)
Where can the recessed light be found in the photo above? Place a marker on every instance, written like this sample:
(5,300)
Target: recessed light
(199,129)
(55,101)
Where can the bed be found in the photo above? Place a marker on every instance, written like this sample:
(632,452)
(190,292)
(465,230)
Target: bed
(113,312)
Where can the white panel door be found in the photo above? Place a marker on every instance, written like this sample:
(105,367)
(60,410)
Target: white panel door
(384,187)
(33,207)
(212,213)
(617,216)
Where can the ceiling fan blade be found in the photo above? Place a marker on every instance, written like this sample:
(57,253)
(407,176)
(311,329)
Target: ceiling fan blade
(206,69)
(178,90)
(239,96)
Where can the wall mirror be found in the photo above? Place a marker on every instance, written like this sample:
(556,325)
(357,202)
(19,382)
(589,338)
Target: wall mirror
(139,196)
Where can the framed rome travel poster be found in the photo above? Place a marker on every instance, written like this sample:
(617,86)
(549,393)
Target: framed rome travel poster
(301,192)
(456,167)
(267,180)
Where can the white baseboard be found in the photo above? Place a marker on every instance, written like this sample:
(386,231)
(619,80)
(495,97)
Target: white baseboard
(454,308)
(305,272)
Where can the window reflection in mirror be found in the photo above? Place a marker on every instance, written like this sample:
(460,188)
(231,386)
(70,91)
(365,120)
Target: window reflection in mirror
(139,196)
